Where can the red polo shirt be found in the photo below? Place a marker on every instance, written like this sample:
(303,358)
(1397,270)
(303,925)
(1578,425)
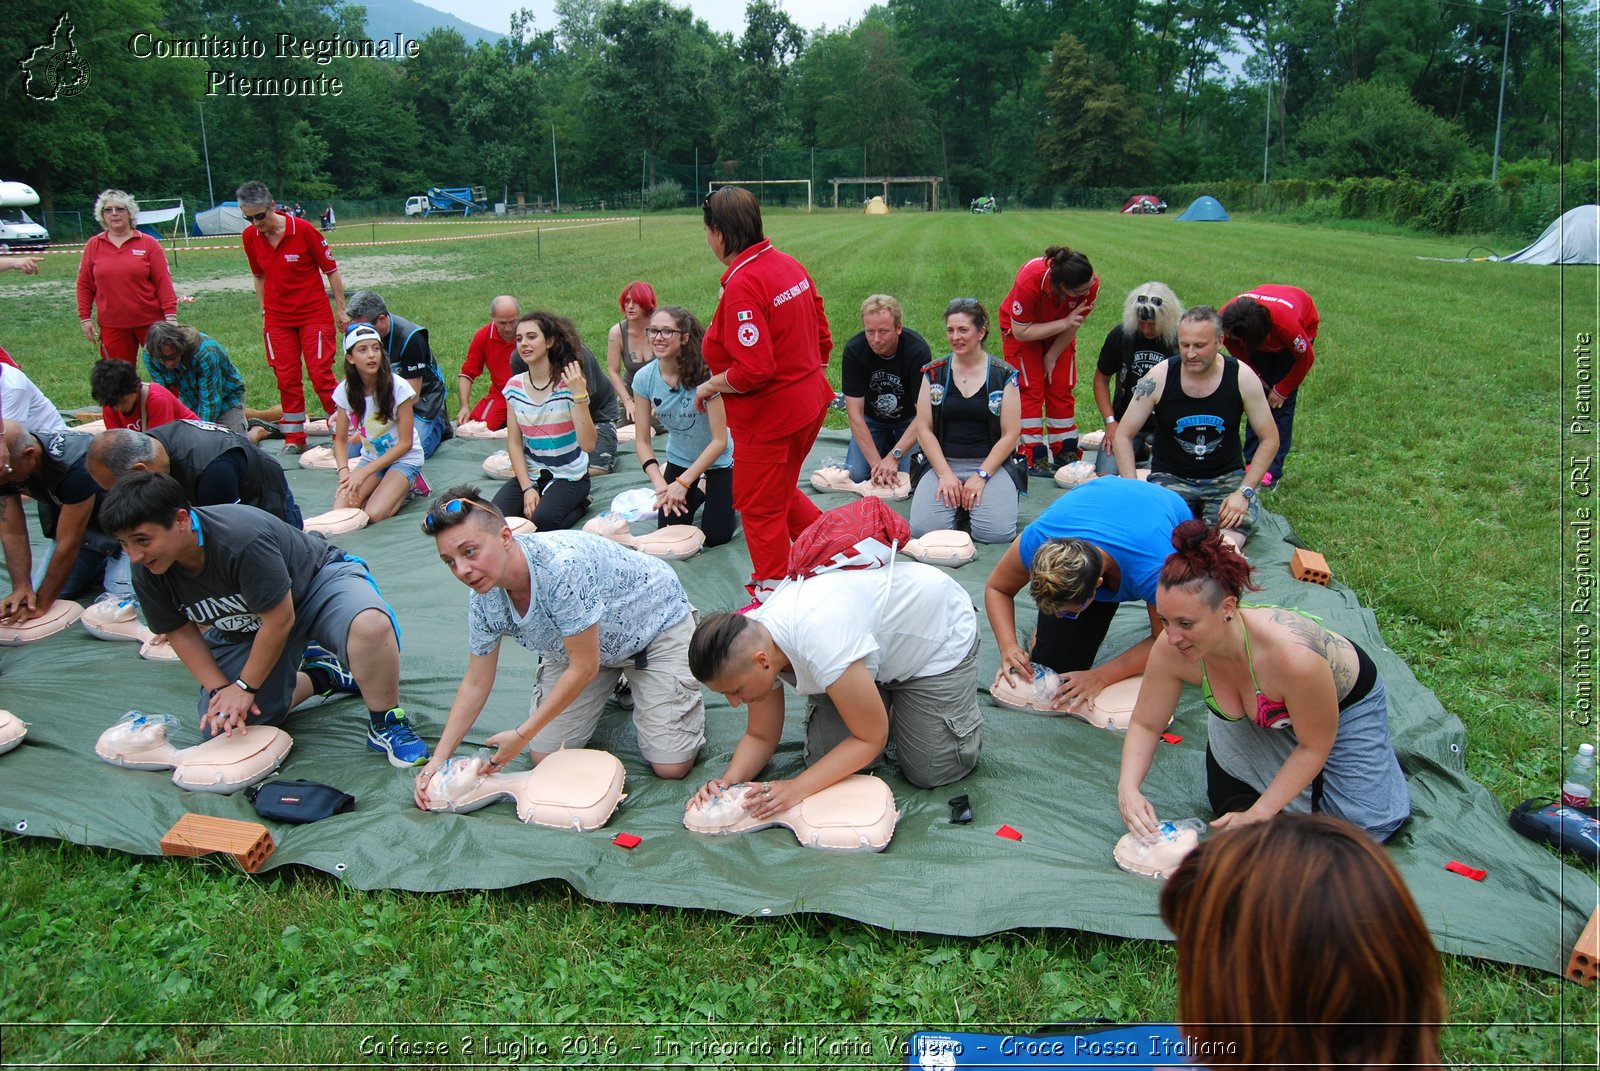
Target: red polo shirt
(770,335)
(129,285)
(1031,301)
(295,294)
(488,350)
(1294,329)
(160,407)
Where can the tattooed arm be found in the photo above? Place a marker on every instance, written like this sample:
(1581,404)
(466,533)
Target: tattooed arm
(1146,393)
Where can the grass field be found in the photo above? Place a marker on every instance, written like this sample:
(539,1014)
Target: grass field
(1427,467)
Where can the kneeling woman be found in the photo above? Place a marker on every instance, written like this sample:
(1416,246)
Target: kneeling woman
(697,442)
(880,655)
(549,431)
(375,405)
(969,416)
(1299,718)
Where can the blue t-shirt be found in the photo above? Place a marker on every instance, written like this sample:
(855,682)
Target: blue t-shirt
(688,429)
(1128,519)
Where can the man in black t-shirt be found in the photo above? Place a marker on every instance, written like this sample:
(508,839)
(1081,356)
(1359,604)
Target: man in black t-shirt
(50,467)
(1197,403)
(880,367)
(1146,337)
(262,592)
(407,346)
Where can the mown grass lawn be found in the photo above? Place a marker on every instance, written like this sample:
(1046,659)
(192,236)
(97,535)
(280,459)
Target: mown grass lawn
(1427,467)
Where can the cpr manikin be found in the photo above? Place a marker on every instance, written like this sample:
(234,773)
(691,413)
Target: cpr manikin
(223,764)
(674,542)
(942,546)
(853,815)
(574,788)
(1112,708)
(1158,855)
(61,614)
(831,478)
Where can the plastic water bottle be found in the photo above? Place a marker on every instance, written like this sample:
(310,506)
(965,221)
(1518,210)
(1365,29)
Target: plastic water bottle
(1577,788)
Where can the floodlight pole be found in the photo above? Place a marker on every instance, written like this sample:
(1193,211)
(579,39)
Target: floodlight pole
(1500,115)
(555,165)
(204,149)
(1266,141)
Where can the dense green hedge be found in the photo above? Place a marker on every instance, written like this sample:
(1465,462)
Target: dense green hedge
(1517,205)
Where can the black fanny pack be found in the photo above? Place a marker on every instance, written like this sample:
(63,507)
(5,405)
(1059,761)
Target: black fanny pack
(299,801)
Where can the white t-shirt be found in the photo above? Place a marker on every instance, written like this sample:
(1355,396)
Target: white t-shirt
(923,626)
(25,403)
(377,435)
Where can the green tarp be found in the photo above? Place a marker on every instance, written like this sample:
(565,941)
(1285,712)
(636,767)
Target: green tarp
(1052,779)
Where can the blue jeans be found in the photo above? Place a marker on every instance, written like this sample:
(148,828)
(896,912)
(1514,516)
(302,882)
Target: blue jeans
(884,436)
(1272,370)
(430,432)
(100,564)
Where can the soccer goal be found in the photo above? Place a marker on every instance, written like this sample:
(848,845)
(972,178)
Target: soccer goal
(711,186)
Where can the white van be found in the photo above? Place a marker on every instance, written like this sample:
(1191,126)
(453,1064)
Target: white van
(18,231)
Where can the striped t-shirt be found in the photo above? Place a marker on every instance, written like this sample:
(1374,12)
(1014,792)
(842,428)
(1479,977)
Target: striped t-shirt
(548,435)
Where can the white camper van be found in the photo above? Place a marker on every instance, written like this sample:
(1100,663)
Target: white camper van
(18,231)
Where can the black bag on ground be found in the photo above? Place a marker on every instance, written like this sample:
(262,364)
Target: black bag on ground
(299,801)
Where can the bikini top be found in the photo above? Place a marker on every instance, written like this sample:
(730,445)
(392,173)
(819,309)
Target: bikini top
(1270,714)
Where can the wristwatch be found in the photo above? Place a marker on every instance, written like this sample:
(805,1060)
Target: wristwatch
(983,474)
(1248,492)
(898,453)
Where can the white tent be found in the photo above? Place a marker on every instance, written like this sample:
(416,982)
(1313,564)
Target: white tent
(224,218)
(1572,239)
(151,219)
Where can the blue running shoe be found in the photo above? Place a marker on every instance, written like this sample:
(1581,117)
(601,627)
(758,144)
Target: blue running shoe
(326,671)
(395,739)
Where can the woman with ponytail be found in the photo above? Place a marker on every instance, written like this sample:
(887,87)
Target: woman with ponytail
(1299,718)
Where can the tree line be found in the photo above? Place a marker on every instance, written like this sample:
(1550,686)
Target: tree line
(989,95)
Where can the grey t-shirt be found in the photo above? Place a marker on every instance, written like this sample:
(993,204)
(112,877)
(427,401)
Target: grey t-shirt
(580,580)
(252,560)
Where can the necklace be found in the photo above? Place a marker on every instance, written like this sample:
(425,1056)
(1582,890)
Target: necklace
(534,386)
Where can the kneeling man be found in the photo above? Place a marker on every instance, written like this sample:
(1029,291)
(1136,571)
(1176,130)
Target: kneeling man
(263,591)
(593,611)
(881,655)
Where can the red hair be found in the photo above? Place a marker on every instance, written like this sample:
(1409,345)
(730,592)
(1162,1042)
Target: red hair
(1201,556)
(643,295)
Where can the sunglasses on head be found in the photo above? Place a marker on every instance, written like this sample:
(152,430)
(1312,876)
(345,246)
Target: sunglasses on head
(450,513)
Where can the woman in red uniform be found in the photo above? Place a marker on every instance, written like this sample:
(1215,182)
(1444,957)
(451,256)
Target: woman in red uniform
(124,278)
(768,345)
(1039,322)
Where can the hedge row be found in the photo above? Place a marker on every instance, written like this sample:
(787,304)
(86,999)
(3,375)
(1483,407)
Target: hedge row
(1511,207)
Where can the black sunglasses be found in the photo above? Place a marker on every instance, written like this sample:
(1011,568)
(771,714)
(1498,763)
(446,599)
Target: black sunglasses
(258,217)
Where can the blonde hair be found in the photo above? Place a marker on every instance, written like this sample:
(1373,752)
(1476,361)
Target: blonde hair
(1168,313)
(116,197)
(1064,573)
(882,303)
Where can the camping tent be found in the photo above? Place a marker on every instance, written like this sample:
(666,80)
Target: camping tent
(150,221)
(1205,210)
(876,207)
(224,218)
(1136,204)
(1572,239)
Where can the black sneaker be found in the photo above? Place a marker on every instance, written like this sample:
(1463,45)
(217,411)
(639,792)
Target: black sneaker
(1042,468)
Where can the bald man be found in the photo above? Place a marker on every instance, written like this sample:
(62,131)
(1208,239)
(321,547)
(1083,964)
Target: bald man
(214,466)
(51,468)
(491,347)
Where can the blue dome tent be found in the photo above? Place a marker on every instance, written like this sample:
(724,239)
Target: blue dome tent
(1205,210)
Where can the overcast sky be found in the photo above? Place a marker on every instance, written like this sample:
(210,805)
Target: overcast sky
(722,15)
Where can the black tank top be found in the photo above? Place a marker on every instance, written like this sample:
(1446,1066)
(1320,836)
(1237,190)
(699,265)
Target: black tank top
(1198,438)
